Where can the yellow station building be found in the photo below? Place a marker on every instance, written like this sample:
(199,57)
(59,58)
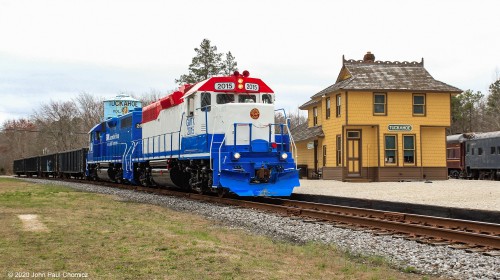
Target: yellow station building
(380,121)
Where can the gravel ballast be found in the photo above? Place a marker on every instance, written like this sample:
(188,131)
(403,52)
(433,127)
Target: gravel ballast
(402,253)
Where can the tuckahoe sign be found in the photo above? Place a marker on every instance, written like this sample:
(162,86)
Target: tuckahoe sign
(399,127)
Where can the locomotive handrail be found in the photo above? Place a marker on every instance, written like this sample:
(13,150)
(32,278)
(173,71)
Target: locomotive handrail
(212,141)
(180,129)
(292,142)
(146,153)
(220,147)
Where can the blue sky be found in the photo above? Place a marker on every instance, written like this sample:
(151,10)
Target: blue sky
(55,49)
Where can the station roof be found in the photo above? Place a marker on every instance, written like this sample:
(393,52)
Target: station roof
(371,75)
(302,132)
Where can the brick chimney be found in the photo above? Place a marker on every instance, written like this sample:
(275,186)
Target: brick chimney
(369,57)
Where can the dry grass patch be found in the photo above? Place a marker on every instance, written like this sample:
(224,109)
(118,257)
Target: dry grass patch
(113,239)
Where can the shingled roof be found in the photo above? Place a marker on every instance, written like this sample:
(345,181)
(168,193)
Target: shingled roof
(302,132)
(370,75)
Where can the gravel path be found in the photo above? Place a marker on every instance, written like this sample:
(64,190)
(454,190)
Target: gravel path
(402,253)
(484,195)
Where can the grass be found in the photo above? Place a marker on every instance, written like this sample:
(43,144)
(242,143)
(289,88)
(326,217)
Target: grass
(112,239)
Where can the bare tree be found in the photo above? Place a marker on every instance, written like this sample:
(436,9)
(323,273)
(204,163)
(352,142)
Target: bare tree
(60,126)
(296,119)
(17,138)
(91,109)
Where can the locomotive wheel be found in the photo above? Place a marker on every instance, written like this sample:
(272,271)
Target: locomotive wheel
(222,192)
(179,178)
(455,174)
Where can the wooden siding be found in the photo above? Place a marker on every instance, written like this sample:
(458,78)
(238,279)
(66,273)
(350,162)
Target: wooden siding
(433,146)
(387,174)
(332,173)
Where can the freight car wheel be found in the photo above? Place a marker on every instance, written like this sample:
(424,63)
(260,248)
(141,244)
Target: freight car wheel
(455,174)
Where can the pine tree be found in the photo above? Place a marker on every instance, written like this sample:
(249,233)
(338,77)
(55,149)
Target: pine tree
(493,102)
(207,63)
(493,105)
(229,65)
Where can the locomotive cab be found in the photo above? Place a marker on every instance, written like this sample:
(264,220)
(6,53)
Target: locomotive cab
(249,154)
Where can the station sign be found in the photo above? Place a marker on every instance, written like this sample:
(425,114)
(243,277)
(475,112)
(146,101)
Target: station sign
(399,127)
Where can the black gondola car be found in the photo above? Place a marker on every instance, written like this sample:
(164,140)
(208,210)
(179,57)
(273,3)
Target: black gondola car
(72,163)
(31,166)
(48,165)
(19,167)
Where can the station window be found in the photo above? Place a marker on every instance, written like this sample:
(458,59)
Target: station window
(247,98)
(206,101)
(315,116)
(224,98)
(339,100)
(419,105)
(391,149)
(339,150)
(409,149)
(267,99)
(353,135)
(380,104)
(328,105)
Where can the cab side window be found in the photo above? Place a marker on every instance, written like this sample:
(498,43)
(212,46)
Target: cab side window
(267,99)
(190,105)
(206,101)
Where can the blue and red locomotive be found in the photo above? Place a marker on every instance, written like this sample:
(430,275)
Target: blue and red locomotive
(218,136)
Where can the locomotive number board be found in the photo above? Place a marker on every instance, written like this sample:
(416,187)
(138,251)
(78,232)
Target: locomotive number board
(224,86)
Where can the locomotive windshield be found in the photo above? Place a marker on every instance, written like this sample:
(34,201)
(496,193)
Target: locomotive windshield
(225,98)
(247,98)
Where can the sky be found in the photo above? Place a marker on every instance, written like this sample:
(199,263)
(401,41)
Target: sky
(52,50)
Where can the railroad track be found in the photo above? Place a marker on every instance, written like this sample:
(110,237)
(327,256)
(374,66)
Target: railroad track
(461,234)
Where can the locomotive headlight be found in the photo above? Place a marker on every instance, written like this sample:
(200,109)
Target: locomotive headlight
(236,155)
(240,81)
(284,156)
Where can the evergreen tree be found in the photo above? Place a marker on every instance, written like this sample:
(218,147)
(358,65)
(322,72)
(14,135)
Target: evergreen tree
(466,111)
(493,105)
(208,63)
(205,64)
(493,102)
(229,65)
